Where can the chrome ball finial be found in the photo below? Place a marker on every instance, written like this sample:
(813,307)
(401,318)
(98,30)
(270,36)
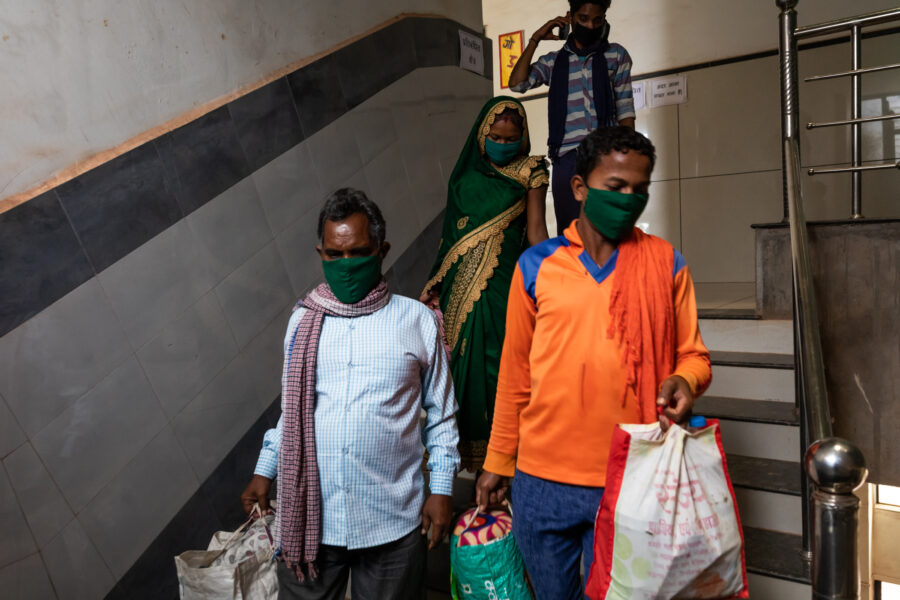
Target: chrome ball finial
(786,4)
(835,465)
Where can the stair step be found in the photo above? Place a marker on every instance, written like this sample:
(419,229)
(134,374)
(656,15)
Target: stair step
(780,476)
(752,359)
(775,554)
(743,314)
(740,409)
(754,383)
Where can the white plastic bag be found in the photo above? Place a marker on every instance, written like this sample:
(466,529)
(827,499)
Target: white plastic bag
(668,525)
(238,565)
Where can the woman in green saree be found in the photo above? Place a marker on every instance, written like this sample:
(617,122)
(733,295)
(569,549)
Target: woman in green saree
(495,210)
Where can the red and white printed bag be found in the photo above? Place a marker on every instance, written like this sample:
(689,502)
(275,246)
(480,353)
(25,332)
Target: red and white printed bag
(668,525)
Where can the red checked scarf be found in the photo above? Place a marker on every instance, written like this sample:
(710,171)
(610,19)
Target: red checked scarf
(299,512)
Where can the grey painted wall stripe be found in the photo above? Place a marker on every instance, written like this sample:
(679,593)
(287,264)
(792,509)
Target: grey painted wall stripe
(56,241)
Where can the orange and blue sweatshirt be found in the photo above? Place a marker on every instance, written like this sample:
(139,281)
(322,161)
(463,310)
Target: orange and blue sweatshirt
(562,379)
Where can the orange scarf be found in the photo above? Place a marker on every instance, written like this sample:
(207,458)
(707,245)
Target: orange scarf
(643,316)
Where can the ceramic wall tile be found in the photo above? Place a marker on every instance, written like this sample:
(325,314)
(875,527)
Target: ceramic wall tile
(716,215)
(297,246)
(42,259)
(45,508)
(158,281)
(662,217)
(266,122)
(317,94)
(731,120)
(26,580)
(660,125)
(335,154)
(16,542)
(255,293)
(188,353)
(88,444)
(11,435)
(76,568)
(231,227)
(120,521)
(59,355)
(288,187)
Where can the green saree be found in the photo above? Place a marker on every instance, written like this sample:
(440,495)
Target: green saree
(484,233)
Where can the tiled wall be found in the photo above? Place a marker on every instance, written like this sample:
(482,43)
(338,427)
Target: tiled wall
(143,304)
(719,156)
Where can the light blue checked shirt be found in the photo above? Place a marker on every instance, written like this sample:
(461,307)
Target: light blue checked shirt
(374,376)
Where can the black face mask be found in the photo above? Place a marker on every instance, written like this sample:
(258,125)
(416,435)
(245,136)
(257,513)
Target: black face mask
(587,36)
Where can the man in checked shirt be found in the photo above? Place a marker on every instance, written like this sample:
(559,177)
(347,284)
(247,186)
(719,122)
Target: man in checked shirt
(360,365)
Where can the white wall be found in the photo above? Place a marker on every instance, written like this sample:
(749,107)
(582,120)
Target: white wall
(666,34)
(82,77)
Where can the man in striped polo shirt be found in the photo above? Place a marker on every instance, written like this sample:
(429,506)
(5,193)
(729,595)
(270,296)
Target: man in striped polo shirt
(579,100)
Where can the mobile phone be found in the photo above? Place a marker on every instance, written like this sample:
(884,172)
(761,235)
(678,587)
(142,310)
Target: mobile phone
(563,31)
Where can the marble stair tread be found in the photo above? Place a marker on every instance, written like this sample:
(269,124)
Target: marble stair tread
(740,409)
(775,554)
(752,359)
(743,314)
(768,475)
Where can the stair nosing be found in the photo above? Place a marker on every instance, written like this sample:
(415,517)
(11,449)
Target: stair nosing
(759,360)
(746,415)
(796,542)
(794,489)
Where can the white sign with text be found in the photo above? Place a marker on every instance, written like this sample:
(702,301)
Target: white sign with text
(640,97)
(471,52)
(668,90)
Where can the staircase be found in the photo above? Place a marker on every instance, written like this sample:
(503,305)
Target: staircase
(752,394)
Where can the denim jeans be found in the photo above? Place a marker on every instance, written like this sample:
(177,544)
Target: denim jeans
(554,527)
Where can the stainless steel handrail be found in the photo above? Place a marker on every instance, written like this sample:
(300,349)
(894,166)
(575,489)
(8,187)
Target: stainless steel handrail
(835,467)
(815,171)
(814,125)
(839,25)
(853,72)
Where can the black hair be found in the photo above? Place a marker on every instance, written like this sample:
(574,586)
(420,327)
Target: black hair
(513,116)
(575,5)
(605,140)
(348,201)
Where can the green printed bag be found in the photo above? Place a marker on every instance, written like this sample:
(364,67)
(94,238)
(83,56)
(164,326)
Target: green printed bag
(485,563)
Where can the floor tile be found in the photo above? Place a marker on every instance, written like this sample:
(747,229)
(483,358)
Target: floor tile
(154,284)
(44,506)
(120,521)
(58,356)
(266,122)
(231,227)
(289,188)
(42,260)
(87,445)
(26,580)
(205,156)
(120,205)
(255,293)
(188,354)
(75,566)
(16,542)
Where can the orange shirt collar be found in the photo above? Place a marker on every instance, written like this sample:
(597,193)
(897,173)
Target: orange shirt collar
(571,234)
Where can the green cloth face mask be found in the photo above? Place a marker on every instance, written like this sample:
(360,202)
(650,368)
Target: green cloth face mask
(501,154)
(350,279)
(614,213)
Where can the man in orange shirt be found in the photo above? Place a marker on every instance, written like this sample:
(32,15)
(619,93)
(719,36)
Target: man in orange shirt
(601,329)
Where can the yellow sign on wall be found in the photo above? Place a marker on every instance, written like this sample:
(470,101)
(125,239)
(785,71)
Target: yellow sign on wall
(510,51)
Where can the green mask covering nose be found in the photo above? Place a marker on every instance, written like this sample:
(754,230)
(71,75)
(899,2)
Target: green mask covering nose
(499,153)
(350,279)
(614,213)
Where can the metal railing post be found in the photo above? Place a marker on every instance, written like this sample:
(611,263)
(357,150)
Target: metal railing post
(790,115)
(836,467)
(856,128)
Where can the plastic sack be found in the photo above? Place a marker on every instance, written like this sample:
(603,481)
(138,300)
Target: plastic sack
(485,563)
(237,565)
(668,525)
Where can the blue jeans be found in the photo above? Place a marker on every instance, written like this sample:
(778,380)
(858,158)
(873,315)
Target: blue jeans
(554,526)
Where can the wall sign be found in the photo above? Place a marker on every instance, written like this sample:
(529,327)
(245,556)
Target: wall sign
(471,53)
(668,90)
(639,94)
(510,46)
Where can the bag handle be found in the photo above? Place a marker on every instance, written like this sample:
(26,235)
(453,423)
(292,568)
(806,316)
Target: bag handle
(255,513)
(474,516)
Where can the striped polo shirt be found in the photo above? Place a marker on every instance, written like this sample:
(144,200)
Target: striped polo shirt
(581,114)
